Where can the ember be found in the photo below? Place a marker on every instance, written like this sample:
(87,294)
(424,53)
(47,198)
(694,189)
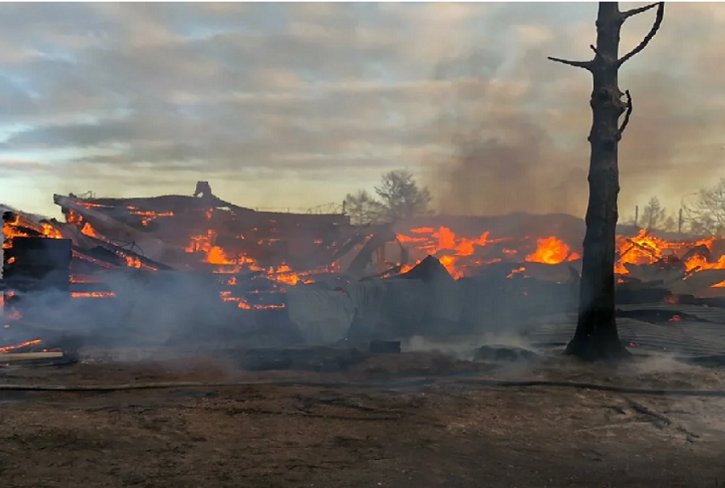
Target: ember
(92,294)
(22,345)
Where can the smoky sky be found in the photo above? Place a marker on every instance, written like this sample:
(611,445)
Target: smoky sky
(295,105)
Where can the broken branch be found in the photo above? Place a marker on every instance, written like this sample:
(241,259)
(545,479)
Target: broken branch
(626,115)
(628,13)
(576,64)
(649,36)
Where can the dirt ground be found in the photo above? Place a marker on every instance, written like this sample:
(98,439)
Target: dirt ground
(408,420)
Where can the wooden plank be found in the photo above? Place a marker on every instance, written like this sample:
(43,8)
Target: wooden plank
(8,357)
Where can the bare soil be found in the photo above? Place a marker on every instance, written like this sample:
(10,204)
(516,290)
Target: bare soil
(408,420)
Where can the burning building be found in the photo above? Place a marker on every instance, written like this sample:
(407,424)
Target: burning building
(317,274)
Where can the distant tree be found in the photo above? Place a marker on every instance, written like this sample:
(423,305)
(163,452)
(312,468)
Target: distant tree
(670,224)
(706,215)
(363,208)
(400,196)
(653,214)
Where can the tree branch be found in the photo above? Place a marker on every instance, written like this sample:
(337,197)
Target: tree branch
(650,34)
(628,13)
(577,64)
(591,46)
(626,115)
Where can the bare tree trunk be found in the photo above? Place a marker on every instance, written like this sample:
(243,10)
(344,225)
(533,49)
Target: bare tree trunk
(596,334)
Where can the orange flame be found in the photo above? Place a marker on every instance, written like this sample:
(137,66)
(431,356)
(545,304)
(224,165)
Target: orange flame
(446,245)
(645,248)
(132,262)
(551,250)
(88,230)
(18,227)
(216,255)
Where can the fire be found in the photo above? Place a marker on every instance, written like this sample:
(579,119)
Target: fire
(228,264)
(92,294)
(446,246)
(645,248)
(284,274)
(132,262)
(216,255)
(148,215)
(83,279)
(226,296)
(88,230)
(551,250)
(50,231)
(73,217)
(516,271)
(201,242)
(22,345)
(20,227)
(461,254)
(92,205)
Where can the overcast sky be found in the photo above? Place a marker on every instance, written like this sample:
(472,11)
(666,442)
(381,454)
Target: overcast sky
(294,105)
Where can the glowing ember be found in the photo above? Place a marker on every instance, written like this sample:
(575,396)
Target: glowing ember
(550,250)
(73,217)
(132,262)
(148,215)
(284,274)
(226,296)
(22,345)
(201,242)
(516,271)
(92,205)
(83,279)
(92,294)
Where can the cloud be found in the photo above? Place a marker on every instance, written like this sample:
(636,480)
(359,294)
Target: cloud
(155,96)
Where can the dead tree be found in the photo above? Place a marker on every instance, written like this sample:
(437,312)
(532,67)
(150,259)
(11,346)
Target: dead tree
(596,334)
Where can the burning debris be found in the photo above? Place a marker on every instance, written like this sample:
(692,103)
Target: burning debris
(316,277)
